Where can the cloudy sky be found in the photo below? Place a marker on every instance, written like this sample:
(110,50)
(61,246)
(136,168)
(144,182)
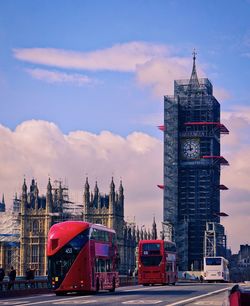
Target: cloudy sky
(82,86)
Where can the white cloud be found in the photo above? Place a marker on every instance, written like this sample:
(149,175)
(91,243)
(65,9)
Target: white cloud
(236,200)
(39,149)
(59,77)
(120,57)
(154,65)
(160,73)
(221,94)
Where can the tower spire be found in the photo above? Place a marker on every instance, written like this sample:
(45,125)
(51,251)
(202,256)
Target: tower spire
(194,82)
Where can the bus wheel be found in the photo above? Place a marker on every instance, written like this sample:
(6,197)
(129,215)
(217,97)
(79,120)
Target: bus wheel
(60,293)
(173,283)
(145,284)
(97,287)
(113,286)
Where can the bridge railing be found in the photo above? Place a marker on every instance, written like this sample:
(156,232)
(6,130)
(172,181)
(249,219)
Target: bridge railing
(20,287)
(40,285)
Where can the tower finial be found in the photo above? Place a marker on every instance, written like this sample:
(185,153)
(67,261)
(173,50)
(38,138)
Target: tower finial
(194,82)
(194,55)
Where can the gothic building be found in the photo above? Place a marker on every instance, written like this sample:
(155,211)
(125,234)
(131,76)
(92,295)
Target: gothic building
(35,220)
(33,215)
(109,211)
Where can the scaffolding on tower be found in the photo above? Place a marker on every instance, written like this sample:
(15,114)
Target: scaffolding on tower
(63,208)
(10,238)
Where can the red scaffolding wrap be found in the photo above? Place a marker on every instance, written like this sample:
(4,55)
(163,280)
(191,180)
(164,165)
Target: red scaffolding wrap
(223,187)
(161,127)
(221,126)
(221,214)
(160,186)
(221,159)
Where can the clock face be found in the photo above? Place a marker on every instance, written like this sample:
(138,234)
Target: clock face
(191,148)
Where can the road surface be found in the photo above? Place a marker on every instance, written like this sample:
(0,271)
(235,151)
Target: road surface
(181,294)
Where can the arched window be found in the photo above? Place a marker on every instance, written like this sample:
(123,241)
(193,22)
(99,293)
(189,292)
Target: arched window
(35,226)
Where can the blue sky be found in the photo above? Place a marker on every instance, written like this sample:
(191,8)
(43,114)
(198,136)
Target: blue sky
(219,30)
(70,70)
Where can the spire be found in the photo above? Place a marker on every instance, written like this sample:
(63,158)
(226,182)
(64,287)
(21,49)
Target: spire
(87,184)
(154,229)
(86,192)
(194,82)
(112,194)
(24,198)
(112,185)
(49,187)
(121,188)
(96,190)
(49,198)
(24,188)
(36,191)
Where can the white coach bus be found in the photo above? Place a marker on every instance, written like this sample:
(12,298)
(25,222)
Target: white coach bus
(216,269)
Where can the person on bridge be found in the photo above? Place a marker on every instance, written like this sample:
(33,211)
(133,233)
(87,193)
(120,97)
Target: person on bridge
(2,274)
(12,278)
(201,278)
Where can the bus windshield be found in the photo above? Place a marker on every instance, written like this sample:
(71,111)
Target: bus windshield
(60,263)
(213,261)
(149,261)
(151,248)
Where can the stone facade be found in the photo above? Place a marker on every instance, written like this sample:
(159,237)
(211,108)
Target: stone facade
(109,211)
(35,214)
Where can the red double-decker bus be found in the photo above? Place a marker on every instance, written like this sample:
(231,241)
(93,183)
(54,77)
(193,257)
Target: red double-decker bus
(157,262)
(82,257)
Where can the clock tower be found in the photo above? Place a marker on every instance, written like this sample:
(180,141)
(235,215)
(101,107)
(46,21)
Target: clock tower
(192,165)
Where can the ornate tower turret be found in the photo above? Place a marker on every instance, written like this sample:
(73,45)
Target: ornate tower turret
(36,192)
(2,205)
(141,234)
(121,200)
(121,191)
(23,226)
(154,230)
(86,192)
(112,198)
(48,214)
(112,189)
(49,198)
(86,200)
(24,198)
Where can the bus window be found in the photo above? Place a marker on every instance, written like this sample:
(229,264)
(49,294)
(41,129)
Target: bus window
(102,265)
(213,261)
(99,235)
